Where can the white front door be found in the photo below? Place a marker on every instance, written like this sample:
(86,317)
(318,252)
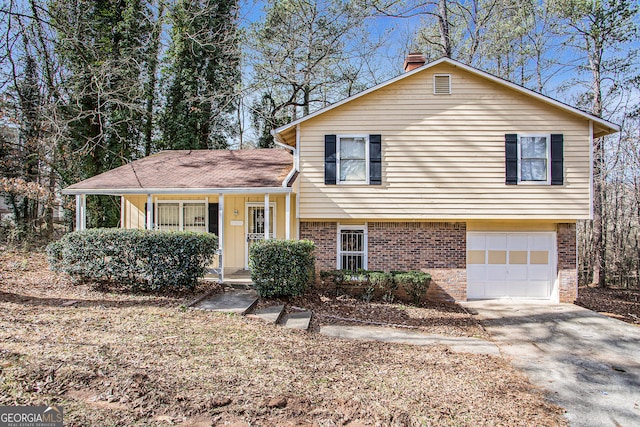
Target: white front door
(255,225)
(518,265)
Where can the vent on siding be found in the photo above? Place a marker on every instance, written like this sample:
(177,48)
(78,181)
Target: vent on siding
(442,84)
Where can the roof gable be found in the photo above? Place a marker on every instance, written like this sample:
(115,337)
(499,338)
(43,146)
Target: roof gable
(604,127)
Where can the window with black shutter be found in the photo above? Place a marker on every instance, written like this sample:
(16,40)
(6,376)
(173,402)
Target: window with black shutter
(535,159)
(353,159)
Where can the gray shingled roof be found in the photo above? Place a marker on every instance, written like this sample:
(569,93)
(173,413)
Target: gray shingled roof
(197,169)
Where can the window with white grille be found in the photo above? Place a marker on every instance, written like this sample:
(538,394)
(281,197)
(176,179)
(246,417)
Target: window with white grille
(182,216)
(352,248)
(441,84)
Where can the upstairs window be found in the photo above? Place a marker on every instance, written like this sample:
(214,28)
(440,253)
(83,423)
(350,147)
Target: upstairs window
(534,159)
(352,159)
(533,155)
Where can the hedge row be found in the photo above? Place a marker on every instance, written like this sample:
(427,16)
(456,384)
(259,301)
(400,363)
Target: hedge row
(379,284)
(281,268)
(134,258)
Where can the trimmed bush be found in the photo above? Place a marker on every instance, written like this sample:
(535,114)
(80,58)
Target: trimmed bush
(134,258)
(385,283)
(282,268)
(370,285)
(415,284)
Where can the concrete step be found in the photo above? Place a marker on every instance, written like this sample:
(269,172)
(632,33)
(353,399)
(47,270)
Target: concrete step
(298,320)
(230,301)
(269,314)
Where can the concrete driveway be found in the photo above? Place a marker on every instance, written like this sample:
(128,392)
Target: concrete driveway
(588,363)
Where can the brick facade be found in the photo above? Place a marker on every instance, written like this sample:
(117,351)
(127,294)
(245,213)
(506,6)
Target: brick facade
(567,263)
(324,234)
(436,247)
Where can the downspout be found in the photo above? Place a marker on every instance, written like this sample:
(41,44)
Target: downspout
(296,165)
(295,161)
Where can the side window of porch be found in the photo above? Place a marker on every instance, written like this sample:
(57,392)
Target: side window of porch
(352,248)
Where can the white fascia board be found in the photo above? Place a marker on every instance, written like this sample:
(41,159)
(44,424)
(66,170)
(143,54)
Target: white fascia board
(468,68)
(123,191)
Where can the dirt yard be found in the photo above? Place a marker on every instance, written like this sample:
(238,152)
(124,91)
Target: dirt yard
(111,358)
(621,304)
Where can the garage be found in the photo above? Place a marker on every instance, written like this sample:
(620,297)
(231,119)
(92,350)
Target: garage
(510,264)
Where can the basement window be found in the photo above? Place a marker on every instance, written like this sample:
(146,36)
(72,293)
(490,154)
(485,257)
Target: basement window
(441,84)
(352,247)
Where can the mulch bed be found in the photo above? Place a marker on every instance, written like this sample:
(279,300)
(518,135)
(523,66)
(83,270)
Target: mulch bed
(621,304)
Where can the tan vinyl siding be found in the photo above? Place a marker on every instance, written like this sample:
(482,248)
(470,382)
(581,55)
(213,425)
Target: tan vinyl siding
(443,156)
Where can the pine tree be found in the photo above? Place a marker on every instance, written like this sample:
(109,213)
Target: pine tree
(202,75)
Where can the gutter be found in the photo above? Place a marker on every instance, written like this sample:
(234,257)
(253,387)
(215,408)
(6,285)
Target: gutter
(122,191)
(294,151)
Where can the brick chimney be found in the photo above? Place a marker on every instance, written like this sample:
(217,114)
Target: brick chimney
(413,61)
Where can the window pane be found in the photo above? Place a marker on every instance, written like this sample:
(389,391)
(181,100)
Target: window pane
(351,249)
(353,170)
(352,148)
(352,241)
(533,147)
(168,216)
(194,217)
(533,170)
(352,262)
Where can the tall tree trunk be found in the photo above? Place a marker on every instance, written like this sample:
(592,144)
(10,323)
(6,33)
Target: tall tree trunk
(443,23)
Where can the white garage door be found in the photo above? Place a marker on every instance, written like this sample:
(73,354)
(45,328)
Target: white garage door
(518,265)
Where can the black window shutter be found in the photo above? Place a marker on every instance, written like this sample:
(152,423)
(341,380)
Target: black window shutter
(330,159)
(557,159)
(375,159)
(153,214)
(511,158)
(213,218)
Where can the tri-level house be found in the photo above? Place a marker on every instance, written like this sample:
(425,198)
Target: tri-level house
(445,169)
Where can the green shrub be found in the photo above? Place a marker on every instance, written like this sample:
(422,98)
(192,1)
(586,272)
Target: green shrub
(385,283)
(134,258)
(282,268)
(415,284)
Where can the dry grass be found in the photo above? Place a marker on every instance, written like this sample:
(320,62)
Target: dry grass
(117,359)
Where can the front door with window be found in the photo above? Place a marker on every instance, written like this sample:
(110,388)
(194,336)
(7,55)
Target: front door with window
(256,224)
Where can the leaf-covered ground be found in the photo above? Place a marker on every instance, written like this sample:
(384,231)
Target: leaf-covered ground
(112,358)
(621,304)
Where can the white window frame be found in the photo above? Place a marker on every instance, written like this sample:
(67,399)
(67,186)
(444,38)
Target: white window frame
(181,204)
(548,153)
(365,243)
(339,160)
(434,83)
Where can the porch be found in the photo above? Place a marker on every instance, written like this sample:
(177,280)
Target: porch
(241,196)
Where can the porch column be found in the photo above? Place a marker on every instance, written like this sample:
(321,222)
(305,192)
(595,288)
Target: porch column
(220,237)
(266,216)
(81,211)
(122,217)
(149,221)
(287,217)
(220,220)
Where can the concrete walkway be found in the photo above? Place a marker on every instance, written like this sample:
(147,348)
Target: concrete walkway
(403,336)
(589,363)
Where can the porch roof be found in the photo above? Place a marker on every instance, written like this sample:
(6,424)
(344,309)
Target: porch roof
(189,171)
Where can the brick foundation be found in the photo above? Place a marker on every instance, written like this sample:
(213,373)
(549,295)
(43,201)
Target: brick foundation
(438,248)
(567,263)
